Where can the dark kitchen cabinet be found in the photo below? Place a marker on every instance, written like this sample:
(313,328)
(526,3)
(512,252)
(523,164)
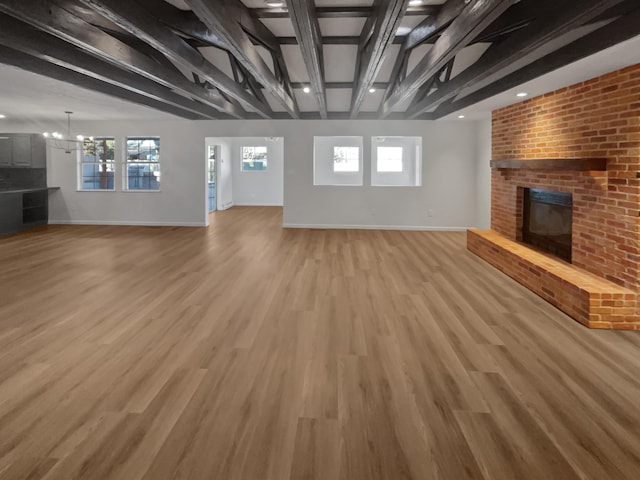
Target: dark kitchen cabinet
(23,150)
(10,213)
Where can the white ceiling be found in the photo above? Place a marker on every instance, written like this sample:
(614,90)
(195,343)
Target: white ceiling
(25,96)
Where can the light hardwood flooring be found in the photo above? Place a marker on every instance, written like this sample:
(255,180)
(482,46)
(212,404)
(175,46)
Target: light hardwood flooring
(248,352)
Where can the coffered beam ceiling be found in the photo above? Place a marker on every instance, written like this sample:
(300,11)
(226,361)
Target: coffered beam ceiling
(221,59)
(305,24)
(216,17)
(501,56)
(473,19)
(20,37)
(377,35)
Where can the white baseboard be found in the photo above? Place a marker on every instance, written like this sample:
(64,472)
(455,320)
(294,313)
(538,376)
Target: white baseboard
(242,204)
(376,227)
(126,223)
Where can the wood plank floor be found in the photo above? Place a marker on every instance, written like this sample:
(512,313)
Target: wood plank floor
(248,352)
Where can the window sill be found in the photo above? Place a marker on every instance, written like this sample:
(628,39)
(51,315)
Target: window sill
(103,190)
(141,191)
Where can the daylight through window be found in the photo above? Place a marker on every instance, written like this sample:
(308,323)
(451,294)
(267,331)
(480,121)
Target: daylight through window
(254,159)
(389,160)
(143,163)
(97,164)
(346,159)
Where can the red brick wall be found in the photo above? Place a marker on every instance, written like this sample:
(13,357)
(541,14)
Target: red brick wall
(596,118)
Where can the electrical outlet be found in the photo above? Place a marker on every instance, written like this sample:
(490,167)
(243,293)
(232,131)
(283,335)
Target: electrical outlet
(430,213)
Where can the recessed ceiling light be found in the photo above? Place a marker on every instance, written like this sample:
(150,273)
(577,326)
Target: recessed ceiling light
(274,3)
(522,94)
(2,116)
(306,89)
(372,90)
(415,3)
(460,116)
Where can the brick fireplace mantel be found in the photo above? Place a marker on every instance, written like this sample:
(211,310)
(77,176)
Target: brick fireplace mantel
(568,164)
(597,121)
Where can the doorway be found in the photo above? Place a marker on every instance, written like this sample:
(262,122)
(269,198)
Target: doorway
(212,155)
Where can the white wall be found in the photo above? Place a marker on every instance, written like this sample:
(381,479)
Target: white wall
(449,187)
(483,175)
(259,187)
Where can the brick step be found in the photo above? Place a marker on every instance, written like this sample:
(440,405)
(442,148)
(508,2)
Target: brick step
(592,300)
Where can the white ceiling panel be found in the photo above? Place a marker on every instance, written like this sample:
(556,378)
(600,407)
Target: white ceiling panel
(275,105)
(295,63)
(467,57)
(339,62)
(338,99)
(371,102)
(281,27)
(335,27)
(266,56)
(219,58)
(306,101)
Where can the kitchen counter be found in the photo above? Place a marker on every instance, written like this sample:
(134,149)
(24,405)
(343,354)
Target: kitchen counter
(26,190)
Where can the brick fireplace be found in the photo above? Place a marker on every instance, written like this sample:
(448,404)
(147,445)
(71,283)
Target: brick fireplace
(583,140)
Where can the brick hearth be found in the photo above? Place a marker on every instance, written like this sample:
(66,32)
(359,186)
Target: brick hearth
(599,118)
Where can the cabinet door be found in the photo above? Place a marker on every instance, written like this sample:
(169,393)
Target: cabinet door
(22,150)
(38,151)
(6,150)
(10,213)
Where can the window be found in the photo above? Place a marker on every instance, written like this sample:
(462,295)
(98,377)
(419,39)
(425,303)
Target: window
(337,161)
(346,159)
(254,159)
(97,164)
(396,161)
(389,160)
(143,163)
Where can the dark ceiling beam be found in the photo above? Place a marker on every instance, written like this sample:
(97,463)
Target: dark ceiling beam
(431,26)
(377,36)
(346,116)
(59,22)
(343,12)
(475,18)
(339,85)
(500,57)
(9,56)
(624,28)
(183,22)
(135,19)
(305,24)
(240,45)
(20,37)
(425,32)
(336,40)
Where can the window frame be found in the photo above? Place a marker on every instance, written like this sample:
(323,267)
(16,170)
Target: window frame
(324,174)
(82,163)
(127,163)
(412,160)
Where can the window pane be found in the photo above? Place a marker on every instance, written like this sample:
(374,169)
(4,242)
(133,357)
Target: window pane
(97,164)
(390,159)
(254,159)
(143,163)
(346,159)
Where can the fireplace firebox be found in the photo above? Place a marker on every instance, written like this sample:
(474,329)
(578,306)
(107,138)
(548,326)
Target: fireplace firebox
(546,221)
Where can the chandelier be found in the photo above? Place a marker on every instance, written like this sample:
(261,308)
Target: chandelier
(66,143)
